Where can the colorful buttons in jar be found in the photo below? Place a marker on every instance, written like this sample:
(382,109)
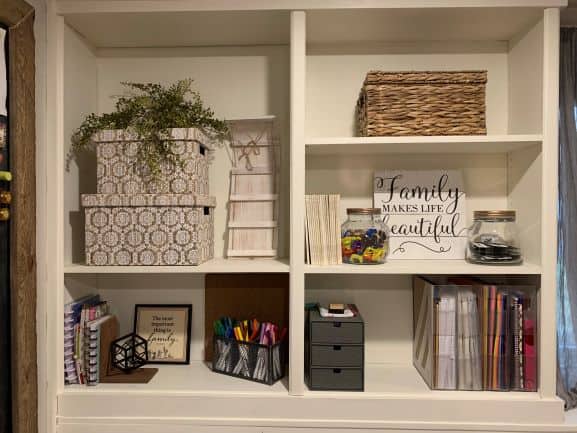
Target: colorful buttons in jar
(364,237)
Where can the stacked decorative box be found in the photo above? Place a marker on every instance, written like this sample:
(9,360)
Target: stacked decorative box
(132,221)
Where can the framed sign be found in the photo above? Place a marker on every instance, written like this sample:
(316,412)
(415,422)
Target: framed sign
(425,211)
(166,328)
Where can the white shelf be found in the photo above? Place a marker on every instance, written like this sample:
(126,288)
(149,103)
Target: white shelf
(218,265)
(444,267)
(288,64)
(180,28)
(196,378)
(194,392)
(435,144)
(401,23)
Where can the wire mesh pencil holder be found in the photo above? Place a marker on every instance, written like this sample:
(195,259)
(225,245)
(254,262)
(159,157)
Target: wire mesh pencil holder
(250,361)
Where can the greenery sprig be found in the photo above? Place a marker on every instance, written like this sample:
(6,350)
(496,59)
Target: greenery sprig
(150,111)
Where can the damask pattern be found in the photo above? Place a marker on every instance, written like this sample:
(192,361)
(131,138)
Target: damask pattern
(143,235)
(118,171)
(91,200)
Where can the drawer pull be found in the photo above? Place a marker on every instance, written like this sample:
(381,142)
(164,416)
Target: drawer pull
(337,370)
(336,347)
(337,324)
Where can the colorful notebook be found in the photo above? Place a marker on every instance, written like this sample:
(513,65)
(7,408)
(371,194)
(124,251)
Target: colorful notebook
(72,313)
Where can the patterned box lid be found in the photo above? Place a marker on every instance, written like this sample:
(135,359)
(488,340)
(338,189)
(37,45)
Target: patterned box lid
(177,134)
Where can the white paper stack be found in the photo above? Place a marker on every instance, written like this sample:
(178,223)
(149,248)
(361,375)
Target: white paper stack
(322,229)
(469,342)
(446,334)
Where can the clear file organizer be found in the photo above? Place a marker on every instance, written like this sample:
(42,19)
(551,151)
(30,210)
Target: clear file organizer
(471,334)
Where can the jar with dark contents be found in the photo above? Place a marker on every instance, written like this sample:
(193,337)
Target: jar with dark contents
(494,239)
(364,237)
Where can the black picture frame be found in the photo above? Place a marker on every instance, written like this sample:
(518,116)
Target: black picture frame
(187,308)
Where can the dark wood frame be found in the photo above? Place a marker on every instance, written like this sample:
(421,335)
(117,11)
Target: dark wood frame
(188,308)
(18,17)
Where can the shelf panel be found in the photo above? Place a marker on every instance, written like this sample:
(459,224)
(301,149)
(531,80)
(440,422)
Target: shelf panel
(386,380)
(422,144)
(406,23)
(196,378)
(123,6)
(218,265)
(177,28)
(393,391)
(444,267)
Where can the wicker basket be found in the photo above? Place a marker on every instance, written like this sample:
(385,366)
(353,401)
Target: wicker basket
(422,103)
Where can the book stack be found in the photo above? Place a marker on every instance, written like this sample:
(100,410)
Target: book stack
(482,336)
(509,350)
(85,320)
(322,230)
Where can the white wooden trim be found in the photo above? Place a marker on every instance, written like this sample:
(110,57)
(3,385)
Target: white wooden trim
(549,194)
(177,425)
(100,6)
(55,212)
(251,253)
(217,265)
(252,224)
(438,144)
(254,197)
(297,201)
(347,408)
(411,267)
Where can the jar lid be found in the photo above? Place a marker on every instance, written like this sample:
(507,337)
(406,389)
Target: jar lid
(494,215)
(363,211)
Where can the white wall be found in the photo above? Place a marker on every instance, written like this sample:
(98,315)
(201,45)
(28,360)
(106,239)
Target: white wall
(80,99)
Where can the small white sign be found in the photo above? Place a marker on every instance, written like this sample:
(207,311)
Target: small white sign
(425,211)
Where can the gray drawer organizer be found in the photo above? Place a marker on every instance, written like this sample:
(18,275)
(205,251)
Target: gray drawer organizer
(335,353)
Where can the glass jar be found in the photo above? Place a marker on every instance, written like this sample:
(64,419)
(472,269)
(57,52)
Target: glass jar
(494,239)
(364,237)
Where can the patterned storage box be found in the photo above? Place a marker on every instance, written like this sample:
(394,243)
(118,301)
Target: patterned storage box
(148,229)
(118,171)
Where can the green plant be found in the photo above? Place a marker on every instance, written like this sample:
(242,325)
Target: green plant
(149,111)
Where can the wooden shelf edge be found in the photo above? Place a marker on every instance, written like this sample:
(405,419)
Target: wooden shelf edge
(422,144)
(233,265)
(410,267)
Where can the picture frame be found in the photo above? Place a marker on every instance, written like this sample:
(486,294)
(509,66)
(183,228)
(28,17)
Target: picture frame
(167,330)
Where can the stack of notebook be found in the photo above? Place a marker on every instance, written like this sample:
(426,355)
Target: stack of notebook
(322,229)
(88,331)
(482,336)
(509,356)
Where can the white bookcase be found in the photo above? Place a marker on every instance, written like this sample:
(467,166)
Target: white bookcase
(304,61)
